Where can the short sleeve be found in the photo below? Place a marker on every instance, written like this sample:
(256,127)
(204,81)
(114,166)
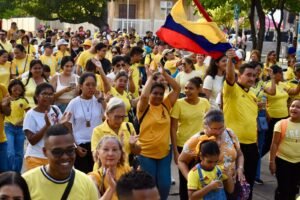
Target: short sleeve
(28,123)
(70,109)
(25,104)
(175,113)
(277,127)
(207,105)
(234,139)
(208,83)
(96,135)
(193,182)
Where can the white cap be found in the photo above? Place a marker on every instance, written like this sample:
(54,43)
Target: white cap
(113,103)
(62,42)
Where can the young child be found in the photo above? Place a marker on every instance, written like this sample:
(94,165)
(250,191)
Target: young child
(14,125)
(206,180)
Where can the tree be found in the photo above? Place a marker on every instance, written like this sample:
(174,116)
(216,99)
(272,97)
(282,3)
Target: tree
(281,5)
(71,11)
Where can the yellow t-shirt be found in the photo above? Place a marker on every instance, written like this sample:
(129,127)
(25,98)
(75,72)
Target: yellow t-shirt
(100,84)
(42,186)
(240,112)
(83,58)
(104,130)
(171,65)
(31,50)
(5,73)
(7,46)
(51,62)
(154,137)
(19,66)
(149,58)
(59,55)
(190,118)
(109,56)
(125,97)
(277,105)
(98,176)
(3,93)
(202,69)
(156,61)
(18,108)
(294,84)
(208,176)
(258,89)
(288,148)
(30,90)
(289,74)
(136,78)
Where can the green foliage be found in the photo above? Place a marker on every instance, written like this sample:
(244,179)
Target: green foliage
(72,11)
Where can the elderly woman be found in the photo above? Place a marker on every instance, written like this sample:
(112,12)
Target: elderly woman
(155,128)
(114,125)
(231,158)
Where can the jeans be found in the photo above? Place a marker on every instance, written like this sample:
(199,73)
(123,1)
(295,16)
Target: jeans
(15,146)
(261,139)
(160,169)
(288,176)
(250,152)
(3,156)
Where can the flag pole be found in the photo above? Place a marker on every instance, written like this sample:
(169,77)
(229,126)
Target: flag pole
(202,10)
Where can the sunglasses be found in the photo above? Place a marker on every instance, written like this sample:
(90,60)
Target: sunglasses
(120,65)
(60,152)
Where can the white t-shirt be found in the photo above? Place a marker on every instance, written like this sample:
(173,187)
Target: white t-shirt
(182,78)
(215,85)
(82,111)
(34,121)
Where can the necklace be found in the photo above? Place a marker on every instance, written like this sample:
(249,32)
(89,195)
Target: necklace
(88,109)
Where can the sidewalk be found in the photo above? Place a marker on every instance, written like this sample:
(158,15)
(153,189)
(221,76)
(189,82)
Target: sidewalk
(261,192)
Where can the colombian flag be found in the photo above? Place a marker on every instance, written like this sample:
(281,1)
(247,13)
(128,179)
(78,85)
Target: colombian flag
(198,37)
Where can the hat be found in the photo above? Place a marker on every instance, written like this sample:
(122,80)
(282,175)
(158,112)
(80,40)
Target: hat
(87,42)
(166,51)
(113,103)
(48,45)
(62,42)
(297,66)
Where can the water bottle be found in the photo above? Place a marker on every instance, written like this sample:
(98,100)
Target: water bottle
(264,101)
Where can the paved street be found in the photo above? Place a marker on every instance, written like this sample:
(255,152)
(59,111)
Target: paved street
(261,192)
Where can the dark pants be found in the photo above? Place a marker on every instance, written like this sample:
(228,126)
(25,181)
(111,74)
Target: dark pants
(86,163)
(288,176)
(269,136)
(251,155)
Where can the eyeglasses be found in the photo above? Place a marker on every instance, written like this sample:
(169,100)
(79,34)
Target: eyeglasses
(60,152)
(120,65)
(114,52)
(47,94)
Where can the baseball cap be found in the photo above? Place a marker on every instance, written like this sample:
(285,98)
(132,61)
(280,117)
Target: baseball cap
(62,42)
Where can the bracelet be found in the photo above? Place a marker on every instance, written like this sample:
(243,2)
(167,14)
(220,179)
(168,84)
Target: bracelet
(240,167)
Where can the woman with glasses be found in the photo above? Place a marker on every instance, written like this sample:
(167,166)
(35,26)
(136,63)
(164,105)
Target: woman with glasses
(36,123)
(188,72)
(86,113)
(35,77)
(214,78)
(114,125)
(65,83)
(231,158)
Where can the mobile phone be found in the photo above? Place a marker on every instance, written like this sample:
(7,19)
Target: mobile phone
(72,85)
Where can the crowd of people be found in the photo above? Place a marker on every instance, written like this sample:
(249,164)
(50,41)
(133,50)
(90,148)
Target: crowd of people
(101,117)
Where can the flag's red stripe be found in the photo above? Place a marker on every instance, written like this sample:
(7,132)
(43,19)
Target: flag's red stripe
(180,41)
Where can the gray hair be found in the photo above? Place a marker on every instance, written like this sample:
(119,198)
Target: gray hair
(213,115)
